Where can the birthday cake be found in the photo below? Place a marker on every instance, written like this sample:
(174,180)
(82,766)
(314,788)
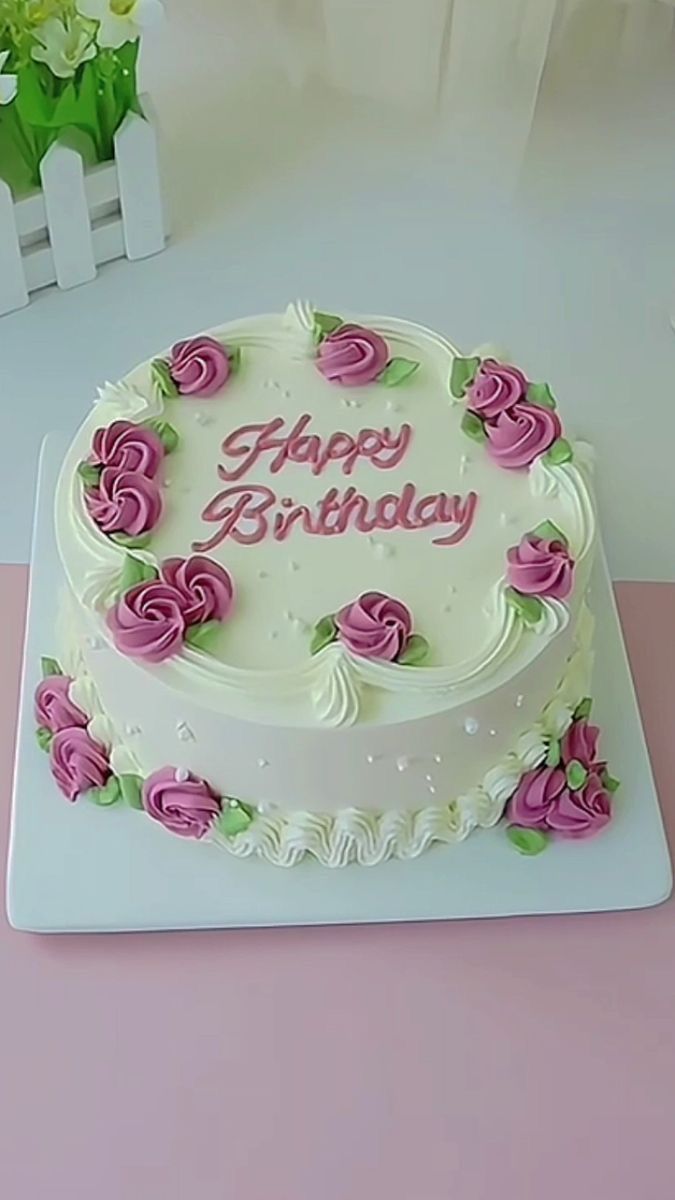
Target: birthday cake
(326,597)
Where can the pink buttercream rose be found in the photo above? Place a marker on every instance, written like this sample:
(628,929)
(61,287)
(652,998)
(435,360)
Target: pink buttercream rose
(516,438)
(540,567)
(186,806)
(124,502)
(532,800)
(127,447)
(199,366)
(375,626)
(54,709)
(148,622)
(580,743)
(496,388)
(582,813)
(352,356)
(78,762)
(206,589)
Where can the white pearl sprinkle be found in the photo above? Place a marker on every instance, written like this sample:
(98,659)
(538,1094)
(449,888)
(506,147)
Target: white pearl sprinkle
(132,730)
(288,615)
(463,463)
(451,589)
(203,418)
(429,778)
(437,758)
(181,775)
(519,701)
(287,394)
(233,804)
(393,406)
(262,762)
(503,519)
(370,758)
(299,625)
(471,725)
(402,763)
(493,733)
(184,732)
(262,574)
(94,643)
(447,607)
(273,634)
(293,565)
(383,550)
(167,483)
(432,790)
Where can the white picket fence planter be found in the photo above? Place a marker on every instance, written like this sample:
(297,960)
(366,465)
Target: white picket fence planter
(83,217)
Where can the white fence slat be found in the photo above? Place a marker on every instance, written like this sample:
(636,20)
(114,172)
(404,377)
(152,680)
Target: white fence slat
(108,240)
(62,176)
(150,114)
(101,185)
(13,291)
(30,215)
(140,191)
(38,266)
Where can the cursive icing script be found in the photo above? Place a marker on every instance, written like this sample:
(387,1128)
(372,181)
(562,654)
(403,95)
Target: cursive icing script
(250,512)
(381,447)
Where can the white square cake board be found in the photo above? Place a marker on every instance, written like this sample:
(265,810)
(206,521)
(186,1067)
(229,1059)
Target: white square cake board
(76,868)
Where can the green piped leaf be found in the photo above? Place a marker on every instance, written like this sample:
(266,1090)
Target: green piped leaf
(107,795)
(583,709)
(415,651)
(132,543)
(397,371)
(473,427)
(576,775)
(44,737)
(325,632)
(161,377)
(166,433)
(89,474)
(463,373)
(553,756)
(550,531)
(50,667)
(527,841)
(541,394)
(135,571)
(529,608)
(234,355)
(235,818)
(131,790)
(325,324)
(202,637)
(610,784)
(560,452)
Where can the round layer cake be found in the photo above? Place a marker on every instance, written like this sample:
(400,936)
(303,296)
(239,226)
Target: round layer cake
(326,585)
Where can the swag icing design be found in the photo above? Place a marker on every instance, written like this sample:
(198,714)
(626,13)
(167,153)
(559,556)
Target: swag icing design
(515,418)
(352,355)
(81,766)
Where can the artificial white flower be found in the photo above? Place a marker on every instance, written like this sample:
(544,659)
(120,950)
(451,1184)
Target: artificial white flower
(120,20)
(8,83)
(63,47)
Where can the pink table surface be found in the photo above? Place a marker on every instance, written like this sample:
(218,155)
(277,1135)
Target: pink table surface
(531,1058)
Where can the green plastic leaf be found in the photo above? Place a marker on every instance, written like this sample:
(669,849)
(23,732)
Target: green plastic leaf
(473,427)
(553,756)
(397,371)
(541,394)
(203,637)
(463,373)
(235,818)
(234,355)
(49,667)
(161,377)
(166,433)
(527,841)
(583,709)
(107,795)
(325,324)
(134,571)
(131,790)
(415,651)
(530,608)
(610,784)
(44,737)
(131,543)
(560,452)
(89,474)
(325,632)
(576,775)
(550,531)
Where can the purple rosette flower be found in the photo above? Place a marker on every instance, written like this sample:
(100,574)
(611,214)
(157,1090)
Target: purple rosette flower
(128,447)
(206,589)
(199,366)
(78,762)
(375,626)
(352,356)
(517,437)
(148,622)
(124,502)
(54,709)
(181,802)
(497,388)
(540,566)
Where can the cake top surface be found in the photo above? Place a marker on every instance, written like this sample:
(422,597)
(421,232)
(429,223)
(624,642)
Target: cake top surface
(350,520)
